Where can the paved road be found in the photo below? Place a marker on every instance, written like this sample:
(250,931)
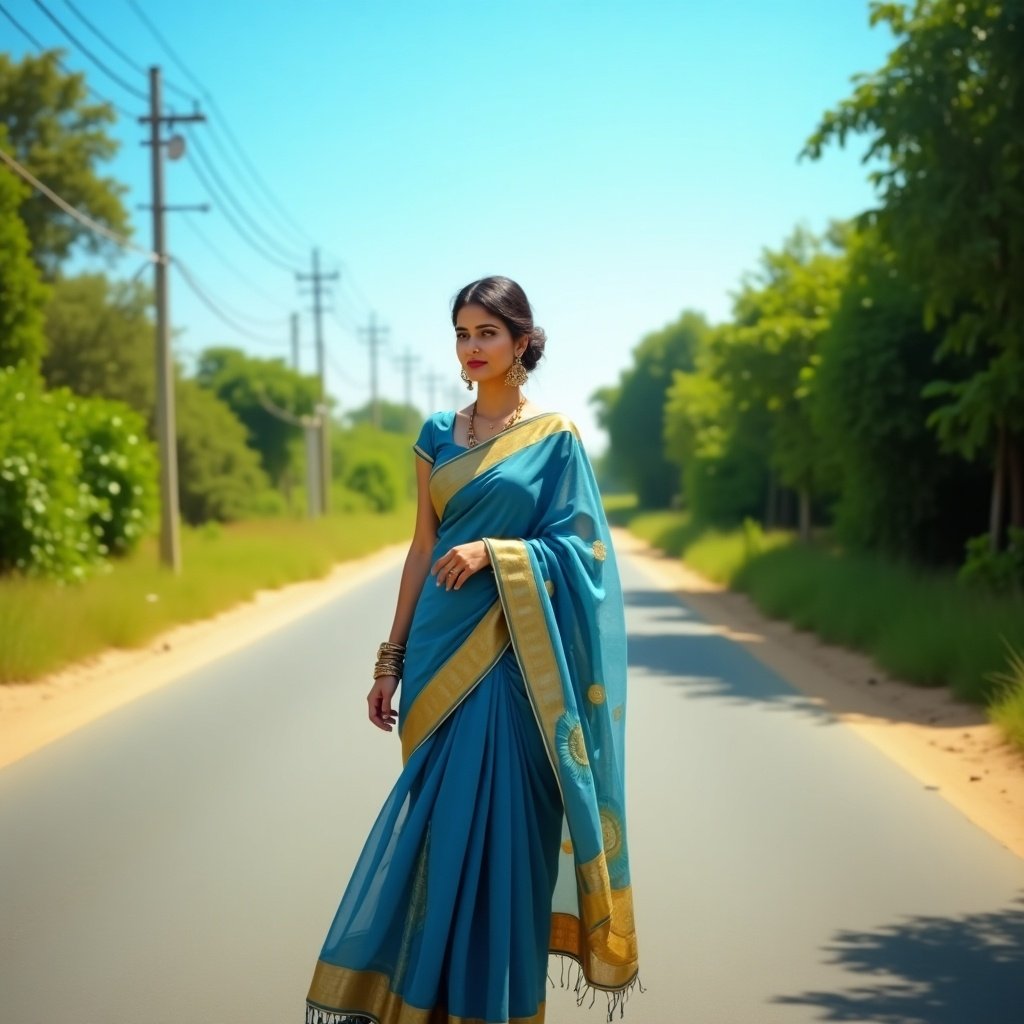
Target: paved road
(179,861)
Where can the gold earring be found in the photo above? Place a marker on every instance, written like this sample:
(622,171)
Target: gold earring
(465,377)
(516,377)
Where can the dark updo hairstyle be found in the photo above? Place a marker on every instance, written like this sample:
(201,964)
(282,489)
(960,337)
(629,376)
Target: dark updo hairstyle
(502,297)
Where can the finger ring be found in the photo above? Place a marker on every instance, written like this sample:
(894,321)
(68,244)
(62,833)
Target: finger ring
(451,572)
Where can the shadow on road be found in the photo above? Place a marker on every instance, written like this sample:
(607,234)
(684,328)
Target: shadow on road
(667,637)
(930,970)
(702,663)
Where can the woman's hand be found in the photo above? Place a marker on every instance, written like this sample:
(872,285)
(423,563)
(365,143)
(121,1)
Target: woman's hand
(379,699)
(459,563)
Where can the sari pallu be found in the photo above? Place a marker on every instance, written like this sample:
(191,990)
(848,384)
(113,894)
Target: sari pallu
(528,658)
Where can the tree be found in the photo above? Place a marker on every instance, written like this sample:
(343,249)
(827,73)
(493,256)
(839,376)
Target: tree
(945,114)
(765,362)
(250,387)
(633,412)
(395,418)
(22,294)
(219,475)
(100,339)
(54,131)
(898,492)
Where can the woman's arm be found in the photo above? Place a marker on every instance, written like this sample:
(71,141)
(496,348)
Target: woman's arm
(414,573)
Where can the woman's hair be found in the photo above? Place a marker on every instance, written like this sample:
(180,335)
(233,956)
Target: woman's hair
(502,297)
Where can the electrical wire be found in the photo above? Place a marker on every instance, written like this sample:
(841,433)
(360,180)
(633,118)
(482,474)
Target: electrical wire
(130,61)
(222,121)
(252,243)
(68,71)
(127,86)
(193,226)
(92,225)
(359,385)
(200,152)
(189,279)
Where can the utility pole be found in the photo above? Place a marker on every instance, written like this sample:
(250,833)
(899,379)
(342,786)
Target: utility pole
(406,362)
(432,379)
(318,279)
(375,337)
(295,341)
(170,542)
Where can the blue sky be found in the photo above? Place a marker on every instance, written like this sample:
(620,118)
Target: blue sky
(622,160)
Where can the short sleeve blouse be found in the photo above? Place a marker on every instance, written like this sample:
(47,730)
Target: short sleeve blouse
(436,441)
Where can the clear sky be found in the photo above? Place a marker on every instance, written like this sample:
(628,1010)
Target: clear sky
(622,160)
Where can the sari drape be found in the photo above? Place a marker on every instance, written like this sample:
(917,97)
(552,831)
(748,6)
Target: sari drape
(505,836)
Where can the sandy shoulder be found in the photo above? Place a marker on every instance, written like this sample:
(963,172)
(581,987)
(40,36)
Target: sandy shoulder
(948,746)
(36,713)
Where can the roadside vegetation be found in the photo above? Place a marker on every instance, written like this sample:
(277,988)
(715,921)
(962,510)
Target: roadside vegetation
(919,624)
(46,626)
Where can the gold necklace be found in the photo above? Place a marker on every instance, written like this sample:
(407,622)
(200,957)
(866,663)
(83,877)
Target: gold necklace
(511,421)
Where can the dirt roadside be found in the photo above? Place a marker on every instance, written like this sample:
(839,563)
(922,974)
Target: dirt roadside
(36,713)
(948,746)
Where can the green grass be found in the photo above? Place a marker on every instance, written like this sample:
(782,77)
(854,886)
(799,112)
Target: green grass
(919,625)
(44,626)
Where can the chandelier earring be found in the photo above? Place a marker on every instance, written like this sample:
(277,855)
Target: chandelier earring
(516,376)
(465,377)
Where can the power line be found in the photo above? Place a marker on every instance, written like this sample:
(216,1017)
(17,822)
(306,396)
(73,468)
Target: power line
(203,297)
(127,86)
(130,61)
(222,120)
(251,242)
(71,210)
(228,265)
(68,71)
(211,169)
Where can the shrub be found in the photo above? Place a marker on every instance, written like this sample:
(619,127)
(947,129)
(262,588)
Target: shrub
(376,480)
(45,507)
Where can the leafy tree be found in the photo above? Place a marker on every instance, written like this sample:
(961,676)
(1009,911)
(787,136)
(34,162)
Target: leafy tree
(60,136)
(722,450)
(252,389)
(100,339)
(767,358)
(219,475)
(740,423)
(395,418)
(898,493)
(944,115)
(22,295)
(633,411)
(376,479)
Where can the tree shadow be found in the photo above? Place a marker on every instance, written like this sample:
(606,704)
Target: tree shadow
(930,970)
(700,661)
(705,660)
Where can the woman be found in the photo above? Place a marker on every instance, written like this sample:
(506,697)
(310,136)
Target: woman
(504,838)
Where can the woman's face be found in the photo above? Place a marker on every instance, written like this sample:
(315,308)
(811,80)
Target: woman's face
(484,344)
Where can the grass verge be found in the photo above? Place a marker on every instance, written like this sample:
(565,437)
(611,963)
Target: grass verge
(919,625)
(44,626)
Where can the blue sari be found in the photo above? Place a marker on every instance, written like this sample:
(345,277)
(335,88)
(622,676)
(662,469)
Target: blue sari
(504,838)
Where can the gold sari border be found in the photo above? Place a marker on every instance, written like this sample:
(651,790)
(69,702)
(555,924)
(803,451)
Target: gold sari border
(343,990)
(520,598)
(455,679)
(451,476)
